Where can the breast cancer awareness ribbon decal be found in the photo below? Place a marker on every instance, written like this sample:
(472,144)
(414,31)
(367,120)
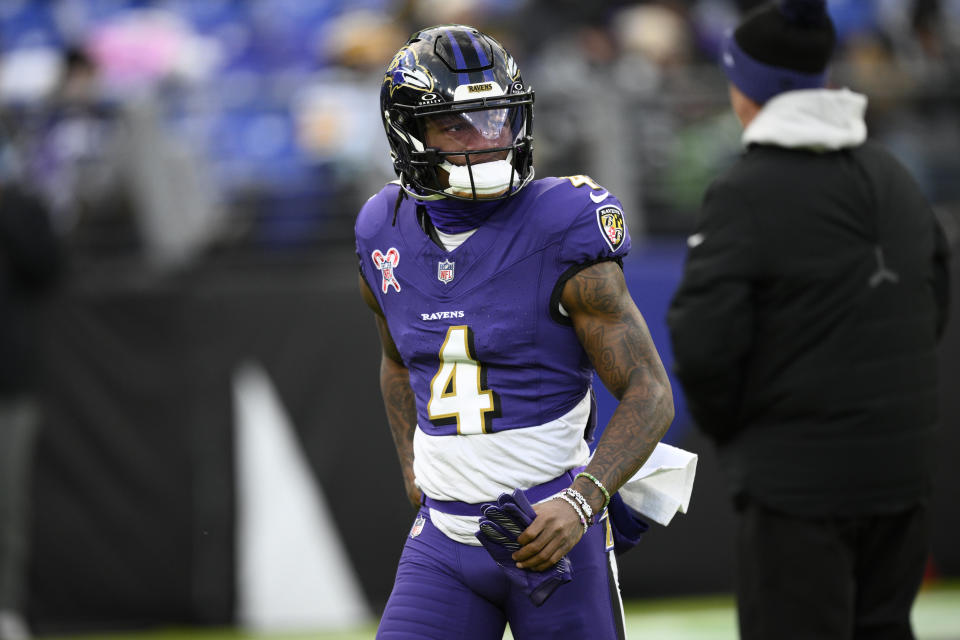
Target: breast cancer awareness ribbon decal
(386,264)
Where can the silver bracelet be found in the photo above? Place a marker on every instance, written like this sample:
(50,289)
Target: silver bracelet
(576,507)
(576,495)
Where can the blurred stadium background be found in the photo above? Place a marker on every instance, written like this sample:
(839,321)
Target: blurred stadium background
(214,453)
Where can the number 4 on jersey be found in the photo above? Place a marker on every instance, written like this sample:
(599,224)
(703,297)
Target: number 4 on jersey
(580,180)
(457,393)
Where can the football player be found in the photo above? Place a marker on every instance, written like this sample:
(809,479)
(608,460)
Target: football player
(496,296)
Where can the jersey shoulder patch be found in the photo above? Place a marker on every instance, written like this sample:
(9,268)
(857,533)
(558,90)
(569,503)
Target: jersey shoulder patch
(612,226)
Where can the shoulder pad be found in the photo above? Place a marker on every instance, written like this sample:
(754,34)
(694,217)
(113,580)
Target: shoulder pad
(377,211)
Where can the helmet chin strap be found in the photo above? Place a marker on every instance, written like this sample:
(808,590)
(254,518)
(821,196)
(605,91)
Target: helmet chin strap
(417,195)
(489,178)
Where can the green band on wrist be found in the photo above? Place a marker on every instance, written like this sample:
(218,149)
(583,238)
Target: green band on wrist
(603,489)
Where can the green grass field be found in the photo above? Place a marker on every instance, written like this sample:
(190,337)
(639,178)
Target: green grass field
(936,616)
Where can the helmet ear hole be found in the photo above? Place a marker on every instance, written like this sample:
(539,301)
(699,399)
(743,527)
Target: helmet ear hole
(452,69)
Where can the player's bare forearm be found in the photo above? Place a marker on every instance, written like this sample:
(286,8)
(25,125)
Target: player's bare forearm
(401,410)
(398,398)
(615,336)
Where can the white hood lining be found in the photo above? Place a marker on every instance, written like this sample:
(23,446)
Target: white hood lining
(816,119)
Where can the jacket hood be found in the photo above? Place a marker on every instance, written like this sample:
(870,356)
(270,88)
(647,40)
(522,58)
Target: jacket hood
(816,119)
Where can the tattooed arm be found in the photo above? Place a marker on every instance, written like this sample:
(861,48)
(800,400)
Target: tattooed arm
(615,336)
(397,396)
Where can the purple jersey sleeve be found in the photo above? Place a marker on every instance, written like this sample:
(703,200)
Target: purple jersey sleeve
(598,232)
(373,215)
(594,229)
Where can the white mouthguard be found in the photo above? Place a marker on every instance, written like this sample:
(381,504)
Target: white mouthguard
(489,178)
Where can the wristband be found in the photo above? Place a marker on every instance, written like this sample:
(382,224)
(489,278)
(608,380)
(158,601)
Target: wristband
(603,489)
(565,498)
(584,505)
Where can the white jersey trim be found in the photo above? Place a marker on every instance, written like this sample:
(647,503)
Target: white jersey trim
(478,468)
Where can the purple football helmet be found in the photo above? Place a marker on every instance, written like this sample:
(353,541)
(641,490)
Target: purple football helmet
(458,81)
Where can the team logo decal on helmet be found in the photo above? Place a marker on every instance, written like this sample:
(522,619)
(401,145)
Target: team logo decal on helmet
(610,219)
(386,263)
(512,69)
(405,71)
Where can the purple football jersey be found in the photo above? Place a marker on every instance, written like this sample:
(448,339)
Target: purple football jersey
(478,327)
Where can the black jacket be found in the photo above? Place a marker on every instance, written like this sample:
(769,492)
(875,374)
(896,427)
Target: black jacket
(805,328)
(30,262)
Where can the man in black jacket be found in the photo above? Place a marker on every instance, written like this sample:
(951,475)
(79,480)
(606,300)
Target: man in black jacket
(804,333)
(30,262)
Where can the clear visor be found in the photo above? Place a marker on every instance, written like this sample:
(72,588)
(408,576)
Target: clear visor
(474,130)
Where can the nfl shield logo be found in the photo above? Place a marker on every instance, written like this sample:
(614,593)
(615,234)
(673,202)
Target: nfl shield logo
(445,271)
(417,526)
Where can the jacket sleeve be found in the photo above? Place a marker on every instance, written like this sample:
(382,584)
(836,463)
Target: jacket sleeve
(711,315)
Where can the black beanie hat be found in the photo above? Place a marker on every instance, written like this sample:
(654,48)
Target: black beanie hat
(780,46)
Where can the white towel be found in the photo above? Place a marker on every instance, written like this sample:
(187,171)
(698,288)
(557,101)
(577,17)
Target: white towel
(663,485)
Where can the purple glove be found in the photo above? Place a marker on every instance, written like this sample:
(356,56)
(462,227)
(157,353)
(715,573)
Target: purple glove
(500,526)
